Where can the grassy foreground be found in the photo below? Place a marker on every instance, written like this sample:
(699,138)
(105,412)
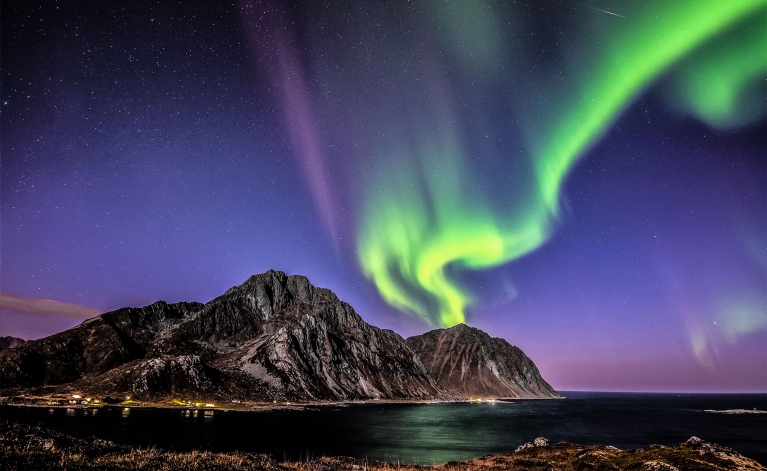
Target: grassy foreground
(28,448)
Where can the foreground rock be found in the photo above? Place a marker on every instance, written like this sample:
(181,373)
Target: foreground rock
(24,448)
(272,338)
(469,363)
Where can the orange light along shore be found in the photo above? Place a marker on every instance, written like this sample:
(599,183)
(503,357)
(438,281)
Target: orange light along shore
(68,401)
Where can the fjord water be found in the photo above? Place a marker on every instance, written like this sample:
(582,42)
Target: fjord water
(427,433)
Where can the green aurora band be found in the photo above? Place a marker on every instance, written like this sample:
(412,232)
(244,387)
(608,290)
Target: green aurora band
(422,220)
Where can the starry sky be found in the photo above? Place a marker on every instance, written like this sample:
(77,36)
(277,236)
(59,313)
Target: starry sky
(587,180)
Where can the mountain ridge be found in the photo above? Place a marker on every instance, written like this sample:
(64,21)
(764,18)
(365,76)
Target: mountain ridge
(11,342)
(468,362)
(274,337)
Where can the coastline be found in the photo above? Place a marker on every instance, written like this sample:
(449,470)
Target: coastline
(63,402)
(23,447)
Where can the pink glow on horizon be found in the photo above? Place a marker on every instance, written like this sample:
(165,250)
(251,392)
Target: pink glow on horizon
(668,375)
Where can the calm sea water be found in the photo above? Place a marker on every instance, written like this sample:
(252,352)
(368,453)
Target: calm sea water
(427,433)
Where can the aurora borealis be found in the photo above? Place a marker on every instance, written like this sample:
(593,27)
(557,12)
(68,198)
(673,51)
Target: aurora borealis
(586,180)
(406,247)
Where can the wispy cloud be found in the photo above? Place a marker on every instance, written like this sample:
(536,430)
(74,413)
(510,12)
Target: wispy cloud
(49,307)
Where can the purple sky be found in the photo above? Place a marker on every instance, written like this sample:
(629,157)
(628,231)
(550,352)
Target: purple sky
(170,150)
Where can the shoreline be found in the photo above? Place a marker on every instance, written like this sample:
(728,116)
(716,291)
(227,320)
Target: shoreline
(23,447)
(51,401)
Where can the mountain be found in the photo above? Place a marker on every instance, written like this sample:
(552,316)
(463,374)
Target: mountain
(11,342)
(467,362)
(275,337)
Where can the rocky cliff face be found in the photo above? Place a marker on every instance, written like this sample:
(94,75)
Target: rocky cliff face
(469,363)
(273,337)
(11,342)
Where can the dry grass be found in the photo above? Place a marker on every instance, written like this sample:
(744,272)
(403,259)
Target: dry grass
(26,448)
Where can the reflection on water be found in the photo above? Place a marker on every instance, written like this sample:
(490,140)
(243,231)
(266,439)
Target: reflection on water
(426,433)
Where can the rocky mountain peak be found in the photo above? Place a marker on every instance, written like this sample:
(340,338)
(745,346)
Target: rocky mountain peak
(11,342)
(271,292)
(469,363)
(272,337)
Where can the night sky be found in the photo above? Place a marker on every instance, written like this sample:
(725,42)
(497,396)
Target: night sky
(587,180)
